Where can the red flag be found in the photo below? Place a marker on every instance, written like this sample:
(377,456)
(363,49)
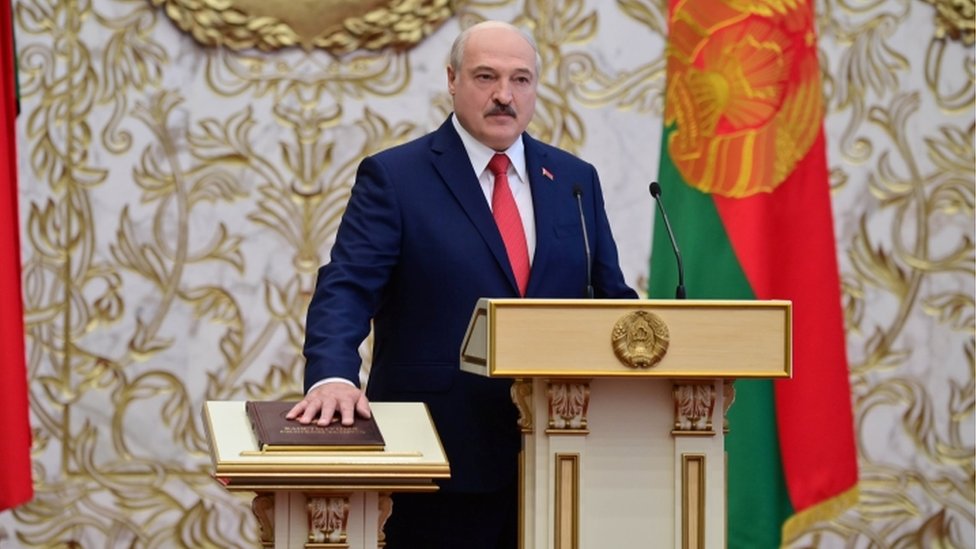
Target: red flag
(15,463)
(744,170)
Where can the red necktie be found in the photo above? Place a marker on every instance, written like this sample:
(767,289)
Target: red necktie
(509,221)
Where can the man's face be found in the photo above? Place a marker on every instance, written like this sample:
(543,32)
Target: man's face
(494,89)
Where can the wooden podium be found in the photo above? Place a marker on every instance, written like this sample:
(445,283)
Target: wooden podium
(622,407)
(327,499)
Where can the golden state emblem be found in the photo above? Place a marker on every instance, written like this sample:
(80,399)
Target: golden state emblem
(744,97)
(640,339)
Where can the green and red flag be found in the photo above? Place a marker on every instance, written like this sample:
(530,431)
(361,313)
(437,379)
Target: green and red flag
(744,177)
(15,436)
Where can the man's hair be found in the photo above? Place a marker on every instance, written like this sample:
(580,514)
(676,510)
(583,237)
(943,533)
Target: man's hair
(457,50)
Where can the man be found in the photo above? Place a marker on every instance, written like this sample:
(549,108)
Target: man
(418,245)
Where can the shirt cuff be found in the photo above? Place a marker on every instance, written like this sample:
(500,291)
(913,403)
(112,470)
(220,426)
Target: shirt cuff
(330,380)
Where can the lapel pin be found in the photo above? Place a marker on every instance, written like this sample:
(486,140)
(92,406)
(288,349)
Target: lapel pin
(547,173)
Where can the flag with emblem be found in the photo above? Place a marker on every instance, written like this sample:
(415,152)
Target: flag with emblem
(744,175)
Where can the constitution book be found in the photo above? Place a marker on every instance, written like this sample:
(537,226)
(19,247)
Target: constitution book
(276,433)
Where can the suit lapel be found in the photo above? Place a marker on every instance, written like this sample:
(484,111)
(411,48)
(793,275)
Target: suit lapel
(543,183)
(452,163)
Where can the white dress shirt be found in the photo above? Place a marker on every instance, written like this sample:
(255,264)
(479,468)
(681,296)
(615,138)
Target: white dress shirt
(518,178)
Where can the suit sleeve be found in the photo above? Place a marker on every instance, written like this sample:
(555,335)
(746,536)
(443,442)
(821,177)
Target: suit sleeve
(349,288)
(608,279)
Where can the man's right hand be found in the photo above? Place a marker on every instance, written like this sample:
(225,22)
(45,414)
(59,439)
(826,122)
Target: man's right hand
(327,399)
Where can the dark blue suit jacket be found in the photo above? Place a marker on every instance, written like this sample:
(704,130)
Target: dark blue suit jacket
(416,248)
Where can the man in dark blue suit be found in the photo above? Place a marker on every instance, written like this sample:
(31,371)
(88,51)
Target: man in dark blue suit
(418,246)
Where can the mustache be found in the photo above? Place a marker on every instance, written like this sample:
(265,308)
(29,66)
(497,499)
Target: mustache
(500,109)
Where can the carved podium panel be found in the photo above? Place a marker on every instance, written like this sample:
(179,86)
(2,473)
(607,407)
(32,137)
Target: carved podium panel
(622,408)
(326,499)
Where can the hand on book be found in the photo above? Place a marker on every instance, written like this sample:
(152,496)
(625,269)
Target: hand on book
(326,400)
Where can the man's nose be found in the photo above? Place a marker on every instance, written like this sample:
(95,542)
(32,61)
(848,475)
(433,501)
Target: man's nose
(503,92)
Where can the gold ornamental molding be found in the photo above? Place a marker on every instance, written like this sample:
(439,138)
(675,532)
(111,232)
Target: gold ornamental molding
(328,521)
(386,510)
(566,515)
(640,339)
(728,397)
(338,26)
(263,506)
(955,19)
(568,403)
(522,397)
(693,407)
(692,501)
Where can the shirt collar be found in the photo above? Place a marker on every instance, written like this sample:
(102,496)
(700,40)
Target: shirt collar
(480,154)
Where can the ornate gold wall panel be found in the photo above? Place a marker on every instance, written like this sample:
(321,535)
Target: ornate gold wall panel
(339,26)
(176,200)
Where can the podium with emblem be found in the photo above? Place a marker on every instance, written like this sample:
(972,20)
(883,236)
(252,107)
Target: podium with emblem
(622,408)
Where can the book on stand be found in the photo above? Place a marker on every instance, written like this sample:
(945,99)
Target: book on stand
(276,433)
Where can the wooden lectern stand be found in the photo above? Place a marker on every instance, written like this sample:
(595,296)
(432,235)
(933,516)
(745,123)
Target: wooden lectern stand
(622,408)
(327,499)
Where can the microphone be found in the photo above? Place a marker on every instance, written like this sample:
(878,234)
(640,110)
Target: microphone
(578,193)
(679,293)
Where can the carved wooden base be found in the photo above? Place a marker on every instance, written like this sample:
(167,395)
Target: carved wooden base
(385,510)
(694,403)
(323,520)
(263,508)
(568,402)
(328,520)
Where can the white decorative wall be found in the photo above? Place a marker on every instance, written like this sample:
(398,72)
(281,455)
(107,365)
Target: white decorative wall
(177,197)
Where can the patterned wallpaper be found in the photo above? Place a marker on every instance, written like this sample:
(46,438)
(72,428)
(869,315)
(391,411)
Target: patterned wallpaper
(182,177)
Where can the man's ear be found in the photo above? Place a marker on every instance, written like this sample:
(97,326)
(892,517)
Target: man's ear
(450,79)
